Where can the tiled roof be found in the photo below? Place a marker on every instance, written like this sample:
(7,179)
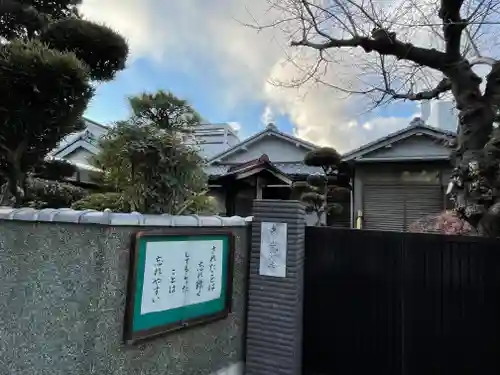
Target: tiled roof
(216,170)
(286,168)
(297,168)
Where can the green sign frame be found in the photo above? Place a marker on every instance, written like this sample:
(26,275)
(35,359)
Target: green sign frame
(140,325)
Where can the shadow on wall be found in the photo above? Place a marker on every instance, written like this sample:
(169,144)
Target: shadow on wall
(63,299)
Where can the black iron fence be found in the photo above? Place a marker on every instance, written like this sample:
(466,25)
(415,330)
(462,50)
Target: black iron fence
(400,303)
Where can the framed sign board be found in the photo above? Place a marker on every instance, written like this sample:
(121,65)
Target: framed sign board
(177,280)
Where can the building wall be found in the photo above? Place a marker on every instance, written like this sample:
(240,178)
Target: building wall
(312,218)
(440,113)
(416,146)
(213,139)
(97,130)
(275,148)
(64,277)
(435,173)
(80,156)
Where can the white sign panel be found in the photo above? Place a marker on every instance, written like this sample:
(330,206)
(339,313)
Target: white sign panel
(181,273)
(273,249)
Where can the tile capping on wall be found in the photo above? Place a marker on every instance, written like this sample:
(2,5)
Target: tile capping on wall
(106,217)
(233,369)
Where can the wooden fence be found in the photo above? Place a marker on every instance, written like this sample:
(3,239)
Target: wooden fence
(400,303)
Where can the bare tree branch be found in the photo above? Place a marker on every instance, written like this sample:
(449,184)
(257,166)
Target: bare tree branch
(453,26)
(385,43)
(443,86)
(313,20)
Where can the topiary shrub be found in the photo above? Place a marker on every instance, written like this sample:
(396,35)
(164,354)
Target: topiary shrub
(101,201)
(54,170)
(321,191)
(42,193)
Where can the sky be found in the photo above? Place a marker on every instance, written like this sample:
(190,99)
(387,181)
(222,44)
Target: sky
(202,51)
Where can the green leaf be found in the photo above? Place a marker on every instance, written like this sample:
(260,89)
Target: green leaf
(101,201)
(323,157)
(317,180)
(44,94)
(313,198)
(148,162)
(42,193)
(100,48)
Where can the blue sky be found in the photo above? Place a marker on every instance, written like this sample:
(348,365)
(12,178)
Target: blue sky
(201,52)
(110,102)
(204,93)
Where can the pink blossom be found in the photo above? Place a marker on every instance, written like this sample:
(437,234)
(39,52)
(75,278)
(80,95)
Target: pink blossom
(446,222)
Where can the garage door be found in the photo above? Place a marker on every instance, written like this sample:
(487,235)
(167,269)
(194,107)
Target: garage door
(395,207)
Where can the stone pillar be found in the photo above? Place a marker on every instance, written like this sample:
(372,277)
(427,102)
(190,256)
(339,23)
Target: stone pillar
(274,318)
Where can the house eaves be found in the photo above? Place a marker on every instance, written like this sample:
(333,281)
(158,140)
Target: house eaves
(270,131)
(78,143)
(76,138)
(415,128)
(256,166)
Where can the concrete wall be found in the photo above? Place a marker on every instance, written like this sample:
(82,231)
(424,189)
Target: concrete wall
(62,298)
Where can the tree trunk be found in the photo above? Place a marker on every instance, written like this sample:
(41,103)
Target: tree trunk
(318,219)
(473,182)
(15,184)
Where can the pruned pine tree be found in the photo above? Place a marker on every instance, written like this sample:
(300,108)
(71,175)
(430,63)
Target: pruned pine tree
(320,192)
(150,165)
(49,57)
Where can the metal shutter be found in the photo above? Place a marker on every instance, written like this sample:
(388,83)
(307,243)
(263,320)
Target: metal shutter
(383,207)
(343,219)
(422,200)
(395,207)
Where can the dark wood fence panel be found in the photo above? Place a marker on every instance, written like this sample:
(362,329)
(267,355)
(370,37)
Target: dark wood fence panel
(400,303)
(351,301)
(451,305)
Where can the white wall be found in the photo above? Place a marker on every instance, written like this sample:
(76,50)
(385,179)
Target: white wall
(440,114)
(275,148)
(214,139)
(96,130)
(312,218)
(80,156)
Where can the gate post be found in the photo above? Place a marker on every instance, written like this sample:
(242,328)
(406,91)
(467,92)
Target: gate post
(274,317)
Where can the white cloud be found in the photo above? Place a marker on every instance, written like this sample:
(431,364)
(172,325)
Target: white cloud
(189,33)
(267,116)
